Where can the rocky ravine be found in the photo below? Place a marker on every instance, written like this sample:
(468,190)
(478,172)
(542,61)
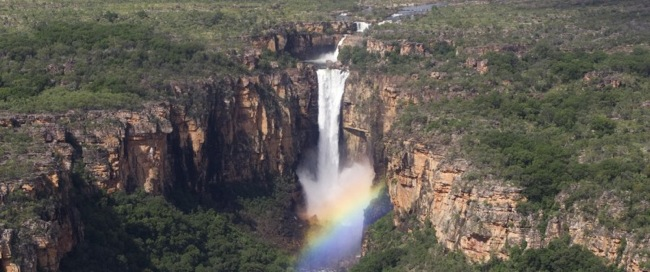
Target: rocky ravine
(244,129)
(217,131)
(250,128)
(427,182)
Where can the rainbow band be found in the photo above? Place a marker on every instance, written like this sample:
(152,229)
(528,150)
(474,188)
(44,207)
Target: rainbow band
(326,241)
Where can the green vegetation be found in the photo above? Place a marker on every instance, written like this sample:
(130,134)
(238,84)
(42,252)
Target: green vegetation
(94,65)
(266,208)
(18,207)
(563,102)
(357,57)
(391,249)
(545,131)
(139,232)
(565,24)
(216,24)
(17,150)
(558,256)
(118,54)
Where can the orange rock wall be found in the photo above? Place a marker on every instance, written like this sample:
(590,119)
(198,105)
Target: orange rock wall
(428,181)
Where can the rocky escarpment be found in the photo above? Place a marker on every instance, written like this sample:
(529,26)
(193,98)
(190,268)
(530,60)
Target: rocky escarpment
(304,40)
(39,221)
(248,129)
(369,110)
(254,128)
(428,181)
(224,131)
(479,217)
(214,133)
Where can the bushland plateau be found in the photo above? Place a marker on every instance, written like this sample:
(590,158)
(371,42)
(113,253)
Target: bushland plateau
(165,136)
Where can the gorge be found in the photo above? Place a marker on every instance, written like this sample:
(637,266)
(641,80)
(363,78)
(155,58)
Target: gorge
(453,128)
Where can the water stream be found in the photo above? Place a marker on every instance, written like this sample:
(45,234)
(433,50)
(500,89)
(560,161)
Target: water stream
(330,56)
(336,196)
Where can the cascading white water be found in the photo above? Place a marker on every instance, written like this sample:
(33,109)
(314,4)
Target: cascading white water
(332,84)
(332,56)
(323,188)
(335,196)
(362,26)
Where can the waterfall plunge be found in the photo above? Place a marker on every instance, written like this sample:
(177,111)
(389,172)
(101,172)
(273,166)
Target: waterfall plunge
(336,196)
(332,56)
(362,26)
(327,188)
(331,84)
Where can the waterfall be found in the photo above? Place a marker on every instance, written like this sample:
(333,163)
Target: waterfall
(362,26)
(336,196)
(332,56)
(338,45)
(331,84)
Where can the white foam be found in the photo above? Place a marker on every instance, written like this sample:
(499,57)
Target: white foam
(332,56)
(362,26)
(330,190)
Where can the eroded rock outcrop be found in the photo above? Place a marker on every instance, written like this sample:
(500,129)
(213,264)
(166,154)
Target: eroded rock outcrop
(304,40)
(255,128)
(216,132)
(119,150)
(429,182)
(40,223)
(404,48)
(369,110)
(479,217)
(481,66)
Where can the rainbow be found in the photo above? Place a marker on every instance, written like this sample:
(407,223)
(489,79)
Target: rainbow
(338,235)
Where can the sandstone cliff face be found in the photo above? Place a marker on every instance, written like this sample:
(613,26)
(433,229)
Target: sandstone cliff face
(119,150)
(369,109)
(428,181)
(235,130)
(254,128)
(41,224)
(480,219)
(245,129)
(305,40)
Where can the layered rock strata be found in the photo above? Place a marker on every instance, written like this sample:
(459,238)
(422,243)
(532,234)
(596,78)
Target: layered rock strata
(217,132)
(428,181)
(304,40)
